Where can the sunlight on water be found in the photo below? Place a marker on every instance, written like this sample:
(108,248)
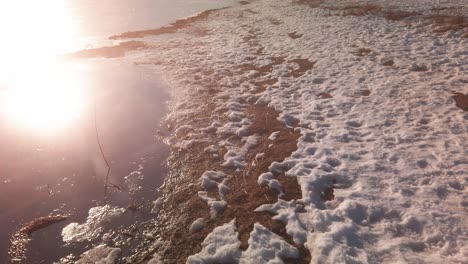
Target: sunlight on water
(47,99)
(37,90)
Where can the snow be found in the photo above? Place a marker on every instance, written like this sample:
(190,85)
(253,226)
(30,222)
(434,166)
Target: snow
(157,205)
(93,227)
(274,135)
(197,225)
(235,156)
(216,206)
(214,180)
(396,157)
(100,255)
(220,246)
(267,247)
(288,213)
(155,260)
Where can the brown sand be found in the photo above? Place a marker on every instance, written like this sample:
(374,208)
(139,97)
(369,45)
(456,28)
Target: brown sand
(461,100)
(172,28)
(183,206)
(109,52)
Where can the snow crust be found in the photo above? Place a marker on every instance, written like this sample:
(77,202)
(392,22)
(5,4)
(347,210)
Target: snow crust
(197,225)
(389,140)
(213,179)
(222,246)
(100,255)
(267,247)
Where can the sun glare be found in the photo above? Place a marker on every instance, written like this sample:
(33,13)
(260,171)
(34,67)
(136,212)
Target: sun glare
(38,90)
(47,100)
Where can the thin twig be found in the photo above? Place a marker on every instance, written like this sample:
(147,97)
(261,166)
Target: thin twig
(102,152)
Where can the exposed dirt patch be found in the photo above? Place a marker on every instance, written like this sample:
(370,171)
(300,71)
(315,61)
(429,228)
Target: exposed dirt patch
(310,3)
(250,11)
(396,15)
(461,100)
(368,9)
(365,92)
(262,70)
(172,28)
(324,95)
(419,68)
(304,66)
(109,52)
(262,85)
(329,193)
(445,23)
(275,21)
(246,195)
(352,10)
(182,205)
(259,51)
(441,23)
(387,62)
(361,52)
(295,35)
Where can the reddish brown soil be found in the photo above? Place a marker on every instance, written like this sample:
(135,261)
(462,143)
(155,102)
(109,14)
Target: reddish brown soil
(461,100)
(109,52)
(445,23)
(172,28)
(395,15)
(362,52)
(440,23)
(324,95)
(304,66)
(183,206)
(365,92)
(294,35)
(387,62)
(261,69)
(310,3)
(275,21)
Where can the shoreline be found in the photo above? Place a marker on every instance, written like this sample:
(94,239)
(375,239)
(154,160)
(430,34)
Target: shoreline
(347,90)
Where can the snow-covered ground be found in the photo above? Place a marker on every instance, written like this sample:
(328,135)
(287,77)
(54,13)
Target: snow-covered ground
(387,137)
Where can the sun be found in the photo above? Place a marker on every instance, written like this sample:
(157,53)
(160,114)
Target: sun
(37,89)
(48,99)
